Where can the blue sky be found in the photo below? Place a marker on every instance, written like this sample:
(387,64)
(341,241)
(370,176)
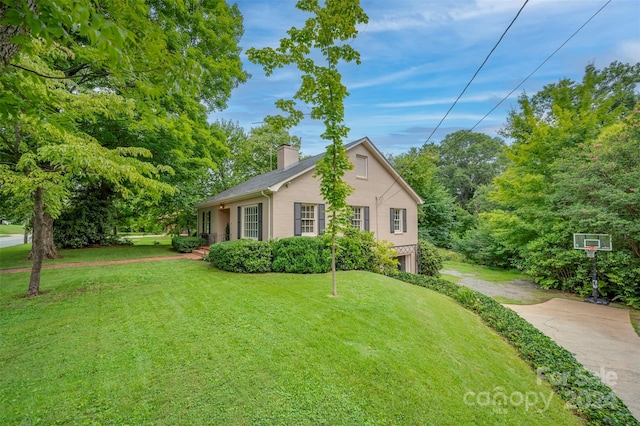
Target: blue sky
(417,56)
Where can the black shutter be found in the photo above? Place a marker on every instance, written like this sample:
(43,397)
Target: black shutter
(209,222)
(203,231)
(239,222)
(404,220)
(259,221)
(391,220)
(366,218)
(321,219)
(297,219)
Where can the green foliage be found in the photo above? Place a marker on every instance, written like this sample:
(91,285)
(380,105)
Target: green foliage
(430,259)
(437,217)
(591,398)
(359,250)
(87,220)
(187,244)
(301,255)
(325,34)
(246,256)
(466,161)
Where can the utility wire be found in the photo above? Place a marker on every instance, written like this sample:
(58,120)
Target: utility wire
(465,88)
(477,71)
(540,66)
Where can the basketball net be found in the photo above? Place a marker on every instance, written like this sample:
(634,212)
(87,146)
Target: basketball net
(591,251)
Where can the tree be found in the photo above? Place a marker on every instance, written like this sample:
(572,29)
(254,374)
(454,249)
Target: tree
(468,160)
(155,65)
(248,155)
(324,34)
(436,216)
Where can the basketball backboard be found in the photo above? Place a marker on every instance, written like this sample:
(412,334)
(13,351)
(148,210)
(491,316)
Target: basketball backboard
(601,242)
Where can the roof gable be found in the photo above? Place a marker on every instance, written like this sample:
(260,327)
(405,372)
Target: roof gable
(273,180)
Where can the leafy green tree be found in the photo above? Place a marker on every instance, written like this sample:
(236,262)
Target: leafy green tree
(468,160)
(324,35)
(437,216)
(158,64)
(249,154)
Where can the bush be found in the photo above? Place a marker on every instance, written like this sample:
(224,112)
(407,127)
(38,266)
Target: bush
(430,259)
(187,244)
(301,255)
(570,380)
(247,256)
(355,251)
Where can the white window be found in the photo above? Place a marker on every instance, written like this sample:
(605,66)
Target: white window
(397,221)
(307,216)
(357,220)
(361,166)
(250,222)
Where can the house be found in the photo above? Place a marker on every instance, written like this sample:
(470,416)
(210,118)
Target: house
(286,202)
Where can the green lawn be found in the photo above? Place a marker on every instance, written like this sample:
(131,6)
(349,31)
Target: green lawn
(11,229)
(14,257)
(182,343)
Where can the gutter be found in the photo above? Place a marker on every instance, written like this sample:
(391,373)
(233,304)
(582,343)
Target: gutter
(268,215)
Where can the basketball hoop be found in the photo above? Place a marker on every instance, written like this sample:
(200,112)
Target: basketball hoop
(591,251)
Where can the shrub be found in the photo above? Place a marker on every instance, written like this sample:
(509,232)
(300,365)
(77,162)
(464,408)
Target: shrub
(355,250)
(301,255)
(187,244)
(247,256)
(570,380)
(430,259)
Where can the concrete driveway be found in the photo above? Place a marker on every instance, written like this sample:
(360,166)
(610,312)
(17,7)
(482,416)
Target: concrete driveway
(12,240)
(601,338)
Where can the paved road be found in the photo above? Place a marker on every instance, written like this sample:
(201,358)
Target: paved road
(12,240)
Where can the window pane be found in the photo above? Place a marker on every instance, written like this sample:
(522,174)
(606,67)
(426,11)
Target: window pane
(397,220)
(251,222)
(308,218)
(356,219)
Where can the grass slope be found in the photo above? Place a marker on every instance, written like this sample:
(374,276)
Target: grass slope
(182,343)
(11,229)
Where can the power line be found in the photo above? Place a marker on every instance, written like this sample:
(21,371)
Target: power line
(540,66)
(465,88)
(477,71)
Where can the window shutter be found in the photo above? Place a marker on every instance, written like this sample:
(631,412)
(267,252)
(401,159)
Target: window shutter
(239,222)
(366,218)
(391,220)
(404,220)
(297,219)
(259,221)
(203,231)
(320,219)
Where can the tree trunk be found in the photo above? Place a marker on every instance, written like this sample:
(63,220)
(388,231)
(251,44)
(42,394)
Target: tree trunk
(26,233)
(49,248)
(37,252)
(333,256)
(8,32)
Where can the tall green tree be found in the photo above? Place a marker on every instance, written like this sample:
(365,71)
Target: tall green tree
(249,154)
(156,65)
(436,216)
(325,34)
(468,160)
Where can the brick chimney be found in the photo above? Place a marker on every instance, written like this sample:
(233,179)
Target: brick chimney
(287,155)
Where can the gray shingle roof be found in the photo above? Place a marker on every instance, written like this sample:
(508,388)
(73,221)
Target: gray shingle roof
(270,179)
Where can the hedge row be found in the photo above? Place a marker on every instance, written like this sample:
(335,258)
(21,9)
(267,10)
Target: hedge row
(356,250)
(583,391)
(187,244)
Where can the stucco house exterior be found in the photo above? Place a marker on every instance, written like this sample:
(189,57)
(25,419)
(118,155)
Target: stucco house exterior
(287,202)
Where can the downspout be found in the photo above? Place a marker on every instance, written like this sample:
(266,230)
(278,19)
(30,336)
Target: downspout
(268,215)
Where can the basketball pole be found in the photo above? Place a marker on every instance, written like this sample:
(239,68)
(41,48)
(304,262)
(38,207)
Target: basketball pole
(595,295)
